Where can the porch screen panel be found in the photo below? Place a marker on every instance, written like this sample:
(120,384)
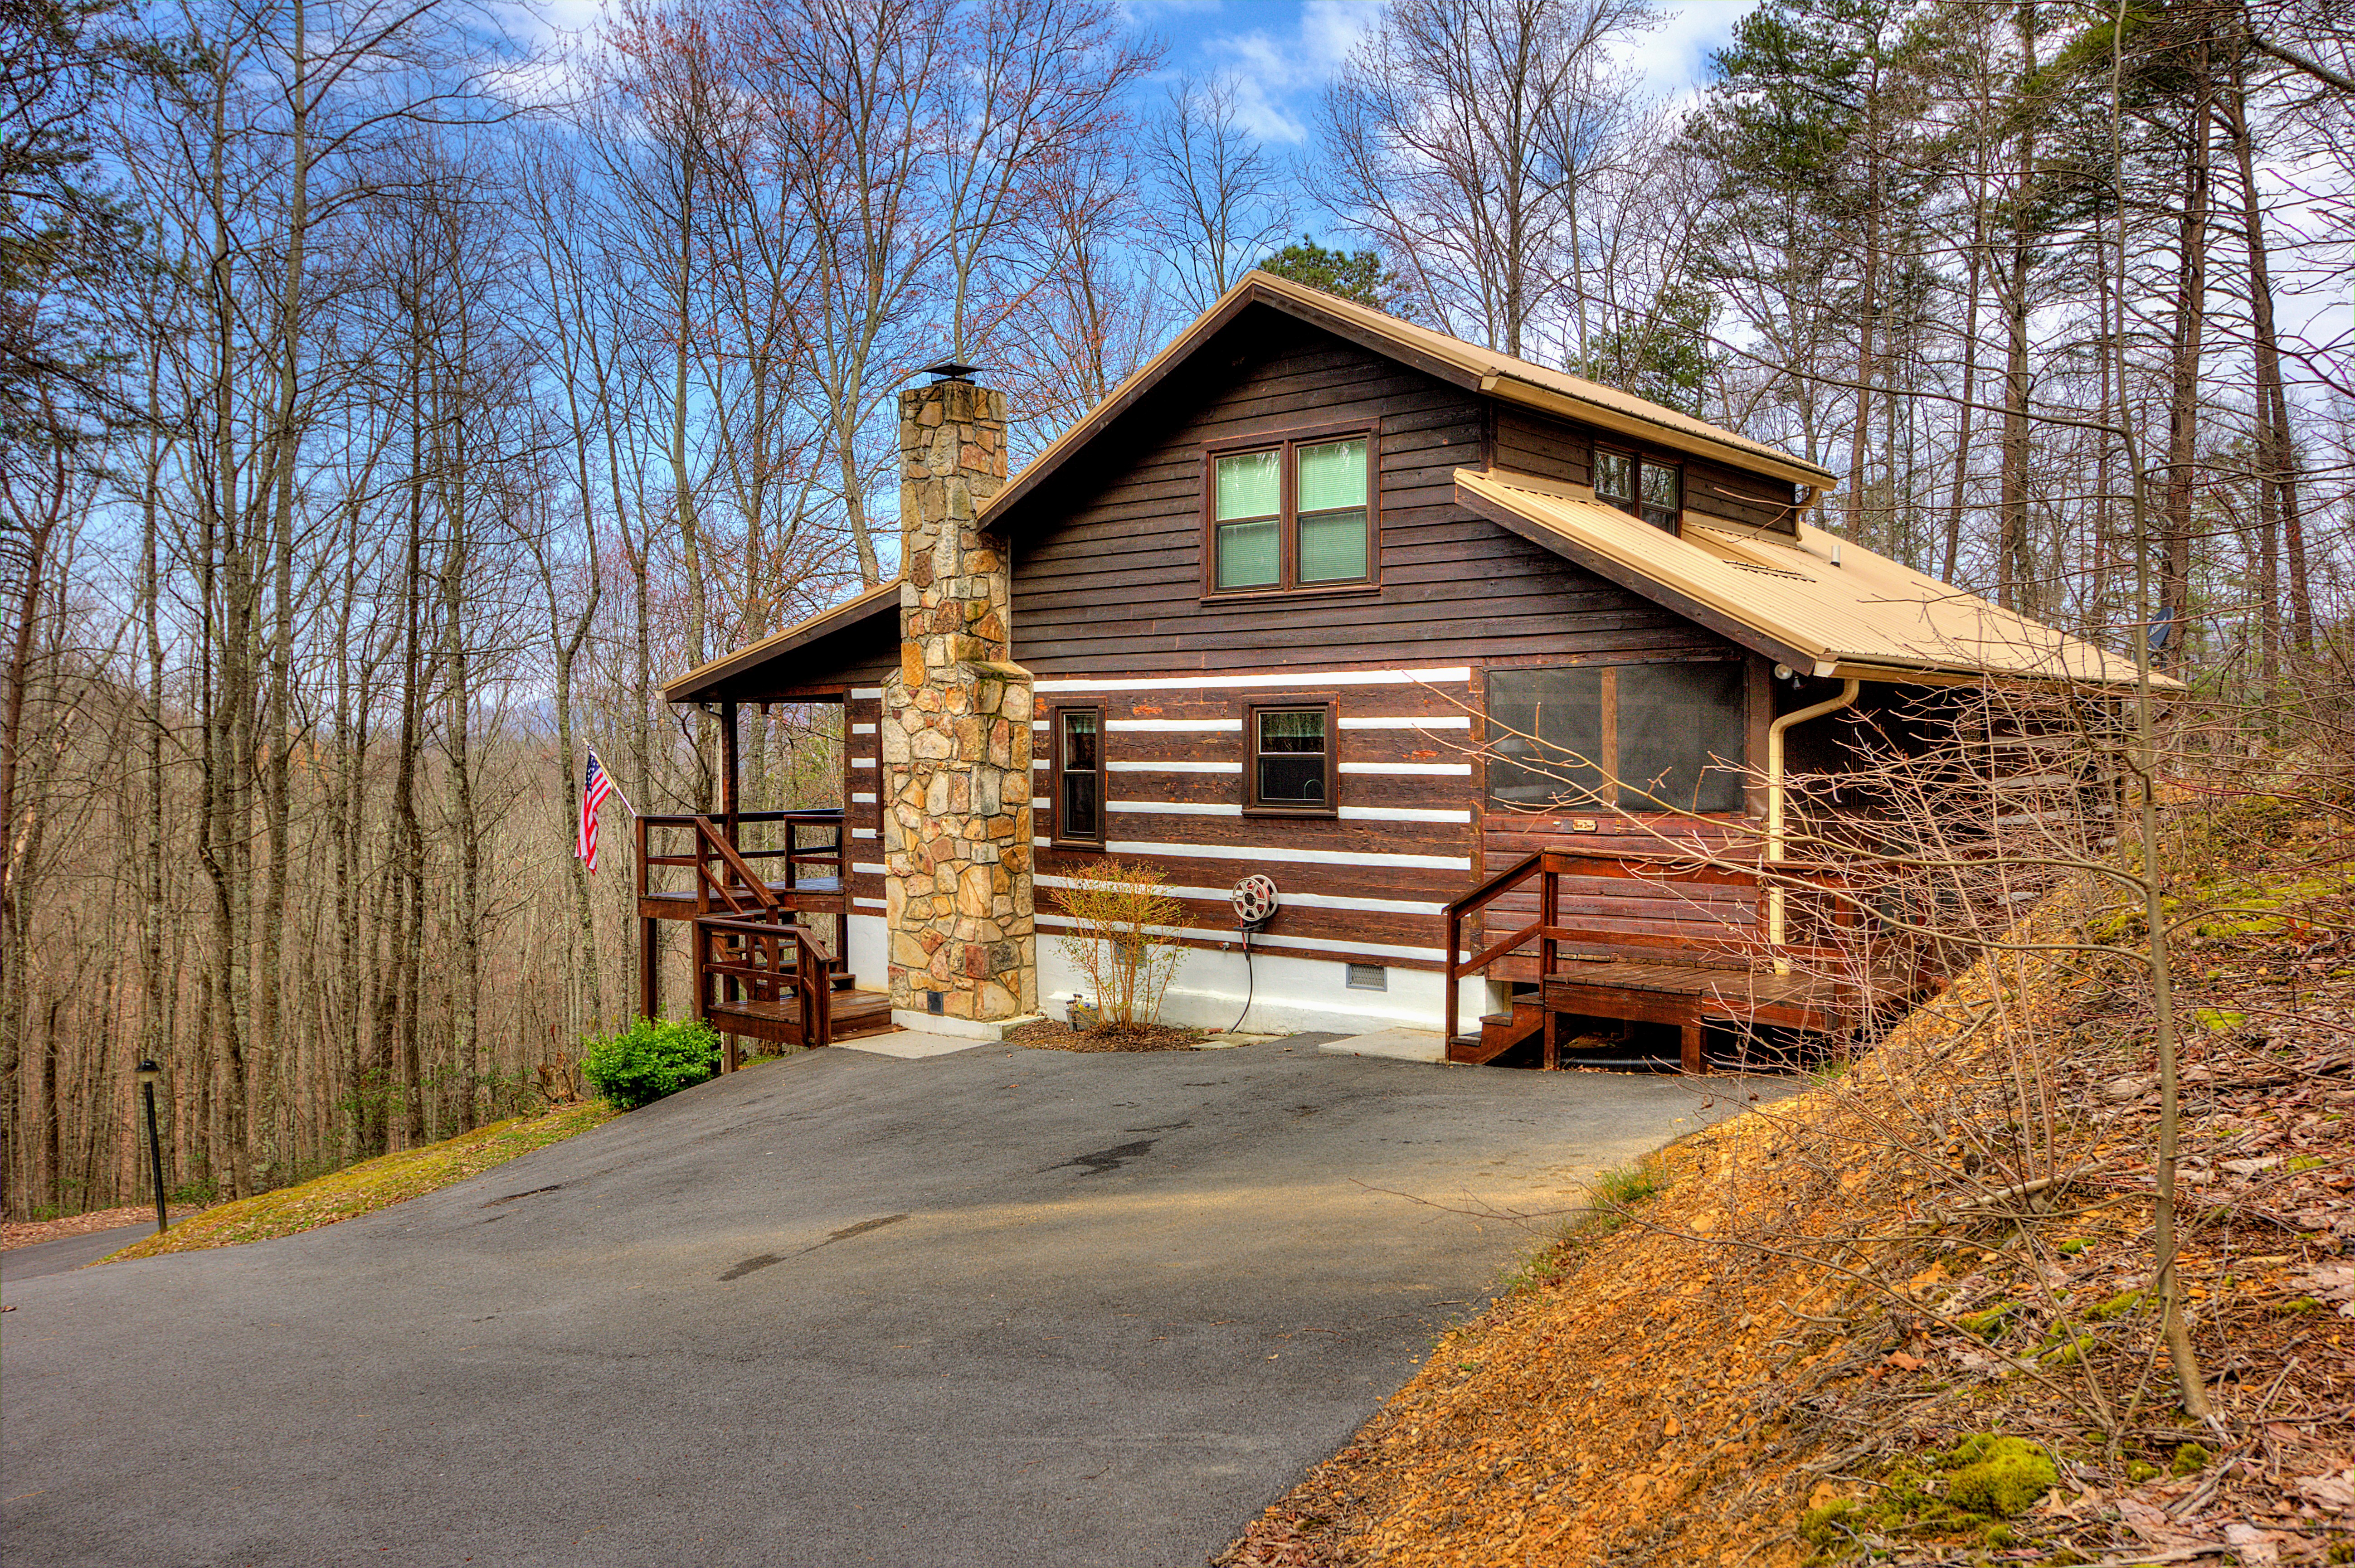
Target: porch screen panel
(1680,736)
(1545,736)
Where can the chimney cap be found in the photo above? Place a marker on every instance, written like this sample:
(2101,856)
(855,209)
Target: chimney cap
(950,370)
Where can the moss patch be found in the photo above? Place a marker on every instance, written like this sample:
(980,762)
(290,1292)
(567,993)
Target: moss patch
(2003,1477)
(372,1185)
(1969,1489)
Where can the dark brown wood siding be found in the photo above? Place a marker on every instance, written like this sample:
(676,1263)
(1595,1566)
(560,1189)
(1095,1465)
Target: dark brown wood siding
(1109,608)
(1371,879)
(862,814)
(1108,567)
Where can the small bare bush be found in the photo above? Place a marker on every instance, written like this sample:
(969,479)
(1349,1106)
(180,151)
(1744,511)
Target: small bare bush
(1120,938)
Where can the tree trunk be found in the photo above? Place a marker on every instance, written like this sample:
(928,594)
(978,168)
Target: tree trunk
(2183,404)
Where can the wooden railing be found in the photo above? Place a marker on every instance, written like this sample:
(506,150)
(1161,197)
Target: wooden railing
(760,960)
(1839,912)
(829,855)
(725,877)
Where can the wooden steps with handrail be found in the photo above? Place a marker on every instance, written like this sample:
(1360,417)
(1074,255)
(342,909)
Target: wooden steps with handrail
(1602,971)
(760,971)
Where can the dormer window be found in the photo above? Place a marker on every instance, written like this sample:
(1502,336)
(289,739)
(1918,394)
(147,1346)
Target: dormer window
(1640,487)
(1294,514)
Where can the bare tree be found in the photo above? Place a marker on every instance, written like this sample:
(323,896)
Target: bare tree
(1458,134)
(1220,201)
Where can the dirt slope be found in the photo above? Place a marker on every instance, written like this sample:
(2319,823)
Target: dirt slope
(1837,1333)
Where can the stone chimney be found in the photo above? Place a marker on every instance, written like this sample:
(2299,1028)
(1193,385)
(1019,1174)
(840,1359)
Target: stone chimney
(956,733)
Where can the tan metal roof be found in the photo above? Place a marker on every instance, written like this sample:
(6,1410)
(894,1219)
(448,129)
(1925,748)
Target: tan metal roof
(692,686)
(1868,616)
(1451,359)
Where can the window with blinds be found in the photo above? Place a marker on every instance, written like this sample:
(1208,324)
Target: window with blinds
(1294,516)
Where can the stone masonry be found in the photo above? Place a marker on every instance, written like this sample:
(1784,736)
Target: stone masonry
(956,728)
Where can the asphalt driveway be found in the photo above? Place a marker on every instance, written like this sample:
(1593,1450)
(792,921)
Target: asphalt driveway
(1003,1307)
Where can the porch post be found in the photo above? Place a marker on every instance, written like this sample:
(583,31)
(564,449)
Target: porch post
(728,769)
(649,970)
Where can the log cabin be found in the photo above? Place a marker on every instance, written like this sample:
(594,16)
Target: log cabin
(1488,669)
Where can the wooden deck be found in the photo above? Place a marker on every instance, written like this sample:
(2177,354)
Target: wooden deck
(1586,967)
(1680,993)
(855,1013)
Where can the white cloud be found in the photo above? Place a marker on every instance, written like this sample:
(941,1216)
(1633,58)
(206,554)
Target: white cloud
(1275,73)
(1674,55)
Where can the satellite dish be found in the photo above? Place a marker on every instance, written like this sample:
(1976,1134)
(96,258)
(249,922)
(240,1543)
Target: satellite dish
(1254,901)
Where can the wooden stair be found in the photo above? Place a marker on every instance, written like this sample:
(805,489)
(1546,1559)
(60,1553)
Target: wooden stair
(856,1013)
(1499,1032)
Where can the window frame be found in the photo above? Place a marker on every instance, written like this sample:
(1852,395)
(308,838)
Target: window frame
(1253,806)
(1057,836)
(1286,442)
(1638,461)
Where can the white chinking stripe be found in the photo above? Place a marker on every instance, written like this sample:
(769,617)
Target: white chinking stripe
(1303,944)
(866,870)
(1295,856)
(862,762)
(862,799)
(871,903)
(1456,676)
(1411,769)
(1456,721)
(1040,803)
(1174,766)
(1348,813)
(862,729)
(1178,727)
(1302,900)
(862,832)
(872,691)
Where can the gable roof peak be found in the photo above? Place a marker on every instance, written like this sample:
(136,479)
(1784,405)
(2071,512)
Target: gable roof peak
(1453,360)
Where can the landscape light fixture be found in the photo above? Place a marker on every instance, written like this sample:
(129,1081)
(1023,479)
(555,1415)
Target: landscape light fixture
(148,1073)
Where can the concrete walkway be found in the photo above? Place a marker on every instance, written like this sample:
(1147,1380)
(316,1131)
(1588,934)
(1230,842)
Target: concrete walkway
(996,1306)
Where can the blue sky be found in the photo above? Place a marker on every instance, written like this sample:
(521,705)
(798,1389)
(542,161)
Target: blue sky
(1281,53)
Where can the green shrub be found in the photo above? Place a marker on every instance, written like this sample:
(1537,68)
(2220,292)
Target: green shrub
(651,1058)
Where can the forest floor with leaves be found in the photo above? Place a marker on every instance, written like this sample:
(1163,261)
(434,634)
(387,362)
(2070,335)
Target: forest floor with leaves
(371,1184)
(32,1232)
(1907,1317)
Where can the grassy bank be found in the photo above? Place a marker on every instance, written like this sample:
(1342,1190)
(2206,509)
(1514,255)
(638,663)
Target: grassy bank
(370,1185)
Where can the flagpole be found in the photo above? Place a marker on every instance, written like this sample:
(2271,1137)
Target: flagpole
(614,782)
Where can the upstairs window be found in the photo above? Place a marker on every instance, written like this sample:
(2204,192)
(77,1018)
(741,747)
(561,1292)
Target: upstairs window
(1644,738)
(1294,514)
(1290,771)
(1079,776)
(1640,487)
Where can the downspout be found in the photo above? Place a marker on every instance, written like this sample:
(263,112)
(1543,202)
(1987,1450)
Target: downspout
(1775,731)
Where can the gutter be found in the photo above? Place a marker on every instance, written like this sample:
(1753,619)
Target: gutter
(1776,915)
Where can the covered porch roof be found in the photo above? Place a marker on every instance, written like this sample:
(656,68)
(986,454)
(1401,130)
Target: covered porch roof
(737,675)
(1823,605)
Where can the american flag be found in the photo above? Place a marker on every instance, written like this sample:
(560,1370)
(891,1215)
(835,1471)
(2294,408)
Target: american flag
(593,790)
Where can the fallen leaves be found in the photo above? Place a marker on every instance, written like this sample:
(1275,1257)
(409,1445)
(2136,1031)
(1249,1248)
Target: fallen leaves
(1792,1316)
